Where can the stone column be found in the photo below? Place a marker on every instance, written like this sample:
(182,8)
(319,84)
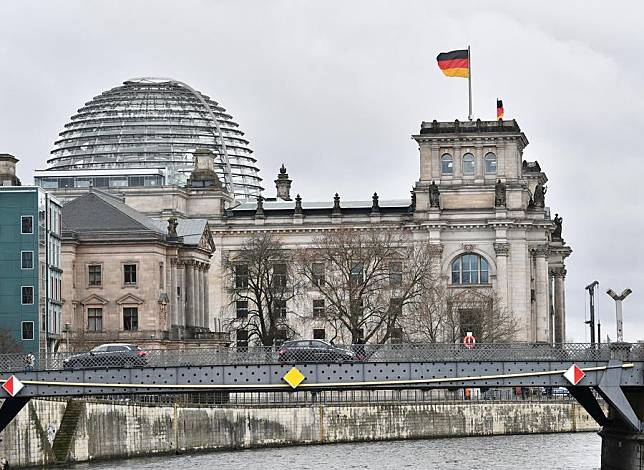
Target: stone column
(202,319)
(540,253)
(205,297)
(560,304)
(181,297)
(172,294)
(190,294)
(195,293)
(502,250)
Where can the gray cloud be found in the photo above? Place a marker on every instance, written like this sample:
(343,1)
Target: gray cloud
(335,89)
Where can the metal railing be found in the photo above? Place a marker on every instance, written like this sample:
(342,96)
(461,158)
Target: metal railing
(387,353)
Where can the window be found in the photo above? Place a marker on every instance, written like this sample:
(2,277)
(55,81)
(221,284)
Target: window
(130,318)
(280,308)
(280,337)
(357,273)
(395,273)
(161,276)
(242,339)
(241,307)
(27,330)
(95,319)
(27,225)
(319,333)
(395,306)
(468,164)
(318,308)
(470,269)
(94,275)
(129,274)
(241,276)
(447,164)
(470,321)
(279,275)
(27,259)
(27,295)
(396,336)
(318,278)
(490,163)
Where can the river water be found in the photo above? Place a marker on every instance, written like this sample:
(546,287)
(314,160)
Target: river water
(580,451)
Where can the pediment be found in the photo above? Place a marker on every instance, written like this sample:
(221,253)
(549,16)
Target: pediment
(93,300)
(129,299)
(206,242)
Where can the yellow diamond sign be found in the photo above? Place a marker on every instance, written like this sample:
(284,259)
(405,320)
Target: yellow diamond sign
(294,377)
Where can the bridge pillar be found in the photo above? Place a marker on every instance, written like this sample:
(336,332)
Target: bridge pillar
(622,446)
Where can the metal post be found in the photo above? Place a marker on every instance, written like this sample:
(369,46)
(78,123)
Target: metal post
(591,292)
(469,80)
(618,311)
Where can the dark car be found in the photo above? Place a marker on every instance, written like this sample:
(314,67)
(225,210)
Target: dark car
(313,350)
(108,355)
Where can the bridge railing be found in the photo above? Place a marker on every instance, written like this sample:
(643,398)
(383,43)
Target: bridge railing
(408,352)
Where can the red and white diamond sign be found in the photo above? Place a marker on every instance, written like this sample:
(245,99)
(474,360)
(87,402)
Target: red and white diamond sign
(574,374)
(12,385)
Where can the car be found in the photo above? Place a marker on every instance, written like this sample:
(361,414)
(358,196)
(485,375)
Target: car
(313,350)
(108,355)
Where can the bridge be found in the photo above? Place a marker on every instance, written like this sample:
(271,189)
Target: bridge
(613,372)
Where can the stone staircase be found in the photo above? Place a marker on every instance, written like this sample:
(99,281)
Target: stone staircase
(67,430)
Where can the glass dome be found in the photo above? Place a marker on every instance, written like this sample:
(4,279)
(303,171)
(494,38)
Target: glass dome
(149,129)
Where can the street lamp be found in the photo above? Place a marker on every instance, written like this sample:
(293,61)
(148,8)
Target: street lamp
(618,311)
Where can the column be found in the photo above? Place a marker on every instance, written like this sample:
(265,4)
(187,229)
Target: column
(206,307)
(540,253)
(202,319)
(502,250)
(190,294)
(172,294)
(560,304)
(181,294)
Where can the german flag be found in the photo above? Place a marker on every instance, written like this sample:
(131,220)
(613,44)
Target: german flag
(455,63)
(499,109)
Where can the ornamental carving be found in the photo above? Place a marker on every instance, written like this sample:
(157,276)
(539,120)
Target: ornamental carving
(468,247)
(540,250)
(558,272)
(435,249)
(502,249)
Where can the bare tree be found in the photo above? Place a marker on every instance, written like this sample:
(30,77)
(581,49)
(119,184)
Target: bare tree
(445,314)
(262,284)
(366,278)
(8,345)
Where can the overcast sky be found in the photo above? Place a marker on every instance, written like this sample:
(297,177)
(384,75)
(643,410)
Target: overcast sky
(335,89)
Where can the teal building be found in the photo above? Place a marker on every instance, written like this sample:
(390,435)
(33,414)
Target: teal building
(30,274)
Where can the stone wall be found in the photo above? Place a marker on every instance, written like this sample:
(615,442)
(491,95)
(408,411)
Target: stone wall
(108,430)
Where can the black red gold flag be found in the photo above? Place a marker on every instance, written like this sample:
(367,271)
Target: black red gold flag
(455,63)
(499,109)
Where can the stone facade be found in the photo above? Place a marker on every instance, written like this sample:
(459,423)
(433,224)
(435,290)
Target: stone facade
(475,195)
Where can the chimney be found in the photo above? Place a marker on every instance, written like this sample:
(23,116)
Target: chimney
(283,185)
(8,170)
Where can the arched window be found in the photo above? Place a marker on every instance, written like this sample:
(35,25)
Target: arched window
(447,164)
(468,164)
(470,268)
(490,163)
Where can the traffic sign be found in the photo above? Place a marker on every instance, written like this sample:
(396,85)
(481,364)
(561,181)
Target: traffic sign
(12,385)
(574,374)
(469,341)
(294,377)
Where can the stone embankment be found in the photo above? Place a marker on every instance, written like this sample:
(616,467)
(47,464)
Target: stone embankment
(49,431)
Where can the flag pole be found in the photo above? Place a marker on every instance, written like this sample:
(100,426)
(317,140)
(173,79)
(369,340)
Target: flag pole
(469,80)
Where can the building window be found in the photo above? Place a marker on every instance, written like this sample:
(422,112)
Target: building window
(94,275)
(95,319)
(319,333)
(241,307)
(470,269)
(318,272)
(130,318)
(395,307)
(280,308)
(241,276)
(447,164)
(27,330)
(468,164)
(490,163)
(280,337)
(318,308)
(27,225)
(129,274)
(395,273)
(161,276)
(396,336)
(279,275)
(242,339)
(357,273)
(27,259)
(27,295)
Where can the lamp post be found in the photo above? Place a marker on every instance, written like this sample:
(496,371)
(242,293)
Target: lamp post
(618,311)
(591,292)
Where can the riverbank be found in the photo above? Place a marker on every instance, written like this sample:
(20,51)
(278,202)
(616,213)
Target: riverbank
(48,431)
